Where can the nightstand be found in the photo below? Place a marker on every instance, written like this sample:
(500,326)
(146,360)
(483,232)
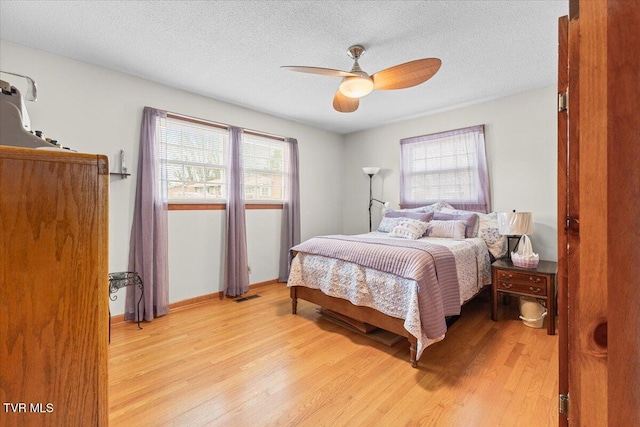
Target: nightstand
(539,283)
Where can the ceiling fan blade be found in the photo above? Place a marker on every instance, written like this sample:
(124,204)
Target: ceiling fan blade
(406,75)
(344,104)
(318,70)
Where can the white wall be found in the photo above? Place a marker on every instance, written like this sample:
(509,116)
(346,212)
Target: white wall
(95,110)
(200,260)
(520,133)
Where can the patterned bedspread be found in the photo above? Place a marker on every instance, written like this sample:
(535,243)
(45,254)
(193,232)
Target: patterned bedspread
(371,284)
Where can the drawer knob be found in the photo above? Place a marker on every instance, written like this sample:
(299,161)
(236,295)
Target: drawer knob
(534,290)
(535,279)
(508,276)
(506,285)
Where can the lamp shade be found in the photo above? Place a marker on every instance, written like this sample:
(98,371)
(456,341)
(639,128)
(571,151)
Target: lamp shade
(515,223)
(370,170)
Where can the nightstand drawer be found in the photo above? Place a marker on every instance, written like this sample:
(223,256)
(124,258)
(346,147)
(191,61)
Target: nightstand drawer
(533,289)
(522,278)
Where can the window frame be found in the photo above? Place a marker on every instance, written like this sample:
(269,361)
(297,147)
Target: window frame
(473,160)
(221,204)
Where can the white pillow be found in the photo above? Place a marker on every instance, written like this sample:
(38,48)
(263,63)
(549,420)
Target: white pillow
(441,205)
(387,224)
(437,206)
(434,207)
(451,229)
(473,232)
(419,209)
(488,231)
(409,229)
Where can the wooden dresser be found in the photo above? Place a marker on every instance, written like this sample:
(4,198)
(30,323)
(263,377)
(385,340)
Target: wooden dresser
(53,288)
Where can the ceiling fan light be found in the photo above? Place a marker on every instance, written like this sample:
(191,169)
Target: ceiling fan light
(356,87)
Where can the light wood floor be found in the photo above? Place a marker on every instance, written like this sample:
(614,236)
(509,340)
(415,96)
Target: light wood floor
(253,363)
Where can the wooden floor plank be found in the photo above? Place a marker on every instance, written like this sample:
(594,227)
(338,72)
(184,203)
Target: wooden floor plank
(223,363)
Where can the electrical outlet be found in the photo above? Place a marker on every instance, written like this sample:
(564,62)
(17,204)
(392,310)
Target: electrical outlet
(249,269)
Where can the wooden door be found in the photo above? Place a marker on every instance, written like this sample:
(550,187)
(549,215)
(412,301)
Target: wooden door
(623,208)
(598,220)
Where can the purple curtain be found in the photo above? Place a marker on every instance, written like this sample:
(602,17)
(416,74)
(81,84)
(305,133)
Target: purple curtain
(484,198)
(467,143)
(148,250)
(236,272)
(290,233)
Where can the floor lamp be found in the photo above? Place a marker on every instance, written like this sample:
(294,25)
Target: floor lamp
(371,171)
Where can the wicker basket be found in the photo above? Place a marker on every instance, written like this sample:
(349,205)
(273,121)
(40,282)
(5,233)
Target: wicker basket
(524,257)
(524,262)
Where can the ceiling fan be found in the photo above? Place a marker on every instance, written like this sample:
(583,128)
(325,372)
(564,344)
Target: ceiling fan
(356,83)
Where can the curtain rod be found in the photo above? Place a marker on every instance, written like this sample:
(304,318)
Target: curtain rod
(221,125)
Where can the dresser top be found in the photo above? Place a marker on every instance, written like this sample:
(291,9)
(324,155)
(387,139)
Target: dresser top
(545,267)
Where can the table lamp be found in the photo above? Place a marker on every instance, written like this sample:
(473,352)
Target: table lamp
(514,225)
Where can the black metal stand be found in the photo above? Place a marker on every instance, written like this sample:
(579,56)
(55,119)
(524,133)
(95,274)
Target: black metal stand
(121,175)
(509,238)
(372,199)
(120,280)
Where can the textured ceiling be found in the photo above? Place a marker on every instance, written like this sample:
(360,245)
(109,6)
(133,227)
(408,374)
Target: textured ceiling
(233,50)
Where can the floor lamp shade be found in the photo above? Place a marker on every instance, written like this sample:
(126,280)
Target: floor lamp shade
(370,170)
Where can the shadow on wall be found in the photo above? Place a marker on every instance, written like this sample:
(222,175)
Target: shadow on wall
(544,240)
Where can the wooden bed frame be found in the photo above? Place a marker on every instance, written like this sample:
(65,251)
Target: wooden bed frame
(359,313)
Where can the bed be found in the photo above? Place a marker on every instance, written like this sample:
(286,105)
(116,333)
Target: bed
(405,286)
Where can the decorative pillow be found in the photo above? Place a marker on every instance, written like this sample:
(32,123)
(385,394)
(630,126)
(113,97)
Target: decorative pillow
(420,216)
(418,209)
(441,206)
(436,207)
(450,209)
(409,229)
(470,220)
(393,218)
(453,229)
(488,231)
(387,224)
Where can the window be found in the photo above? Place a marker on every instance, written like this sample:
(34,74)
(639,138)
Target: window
(449,166)
(195,154)
(264,167)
